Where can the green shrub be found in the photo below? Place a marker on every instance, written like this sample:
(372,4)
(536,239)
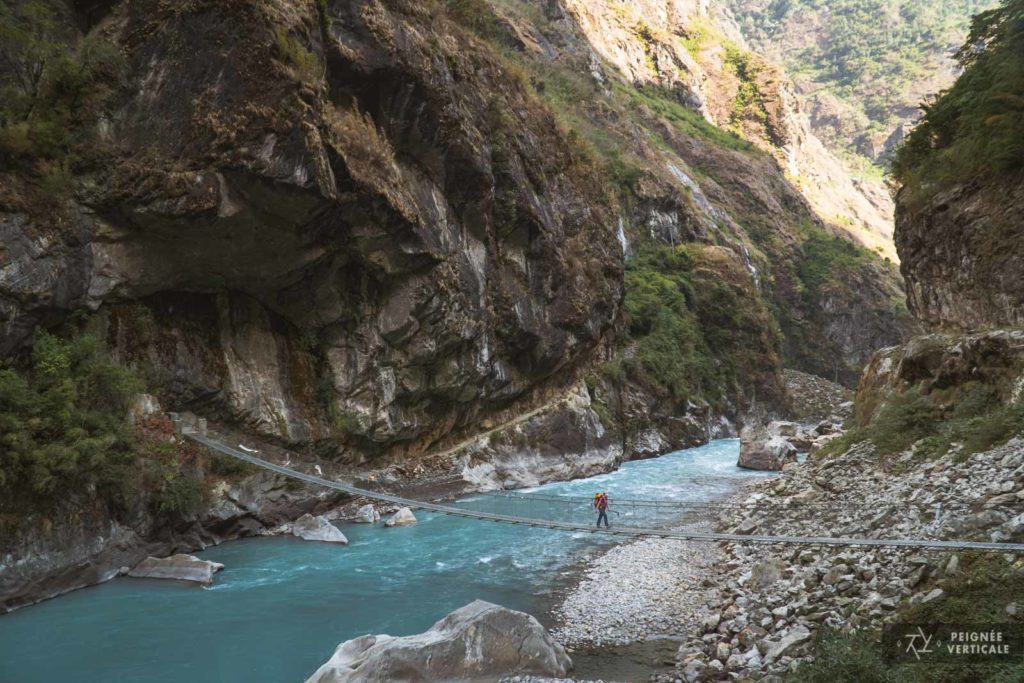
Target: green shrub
(170,489)
(903,420)
(827,260)
(974,128)
(226,466)
(845,659)
(304,63)
(51,92)
(970,417)
(62,426)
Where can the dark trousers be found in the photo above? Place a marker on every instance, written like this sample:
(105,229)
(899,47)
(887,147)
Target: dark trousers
(602,514)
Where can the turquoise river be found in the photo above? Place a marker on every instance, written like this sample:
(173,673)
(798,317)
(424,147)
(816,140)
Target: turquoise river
(282,605)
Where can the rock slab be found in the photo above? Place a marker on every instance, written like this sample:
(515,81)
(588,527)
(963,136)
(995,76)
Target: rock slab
(310,528)
(177,568)
(476,643)
(760,450)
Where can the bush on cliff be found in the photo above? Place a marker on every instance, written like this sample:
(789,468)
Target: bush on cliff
(695,334)
(64,434)
(974,128)
(969,418)
(62,426)
(53,86)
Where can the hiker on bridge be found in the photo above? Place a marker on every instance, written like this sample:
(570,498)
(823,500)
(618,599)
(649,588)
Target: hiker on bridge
(601,505)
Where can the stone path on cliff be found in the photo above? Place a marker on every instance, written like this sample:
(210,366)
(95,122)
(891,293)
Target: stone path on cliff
(618,530)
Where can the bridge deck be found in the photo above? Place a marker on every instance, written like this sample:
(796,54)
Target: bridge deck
(679,534)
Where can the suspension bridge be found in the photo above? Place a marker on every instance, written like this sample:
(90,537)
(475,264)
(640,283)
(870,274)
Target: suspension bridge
(635,518)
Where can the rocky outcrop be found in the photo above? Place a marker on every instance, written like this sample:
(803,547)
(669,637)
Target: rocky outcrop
(938,364)
(43,559)
(310,528)
(760,449)
(177,568)
(563,440)
(403,517)
(367,515)
(476,643)
(962,252)
(337,223)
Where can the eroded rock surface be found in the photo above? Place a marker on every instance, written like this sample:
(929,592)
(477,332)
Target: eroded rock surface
(177,568)
(367,514)
(310,528)
(962,252)
(403,517)
(760,449)
(476,643)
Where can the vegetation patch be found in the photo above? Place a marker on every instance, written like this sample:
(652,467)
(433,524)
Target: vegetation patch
(827,260)
(966,419)
(974,128)
(64,435)
(695,337)
(304,63)
(748,101)
(52,89)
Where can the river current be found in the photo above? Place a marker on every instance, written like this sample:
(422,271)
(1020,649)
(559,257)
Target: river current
(282,605)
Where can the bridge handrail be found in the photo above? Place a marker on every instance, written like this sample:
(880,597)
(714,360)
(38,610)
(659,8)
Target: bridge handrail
(677,534)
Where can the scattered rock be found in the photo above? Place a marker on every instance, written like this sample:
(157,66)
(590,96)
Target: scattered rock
(797,636)
(759,450)
(765,574)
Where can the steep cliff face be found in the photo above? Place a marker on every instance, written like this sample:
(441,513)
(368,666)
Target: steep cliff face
(334,222)
(959,218)
(641,83)
(963,254)
(959,389)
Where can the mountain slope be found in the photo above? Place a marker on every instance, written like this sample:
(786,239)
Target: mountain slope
(862,66)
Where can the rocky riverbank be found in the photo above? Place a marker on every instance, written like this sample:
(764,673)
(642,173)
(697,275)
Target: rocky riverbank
(770,602)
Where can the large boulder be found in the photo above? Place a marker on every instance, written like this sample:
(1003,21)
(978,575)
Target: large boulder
(177,568)
(367,515)
(310,528)
(760,450)
(476,643)
(403,517)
